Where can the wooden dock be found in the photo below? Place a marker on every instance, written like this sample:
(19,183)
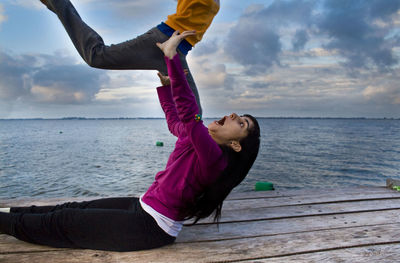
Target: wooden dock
(359,224)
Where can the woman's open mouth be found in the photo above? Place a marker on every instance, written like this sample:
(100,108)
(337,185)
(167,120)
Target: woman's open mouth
(221,121)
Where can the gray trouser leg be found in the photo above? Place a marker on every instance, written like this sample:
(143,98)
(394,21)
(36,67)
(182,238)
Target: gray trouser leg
(138,53)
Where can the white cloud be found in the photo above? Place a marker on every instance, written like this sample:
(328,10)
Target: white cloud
(207,73)
(371,91)
(129,93)
(55,95)
(127,10)
(28,4)
(129,87)
(322,52)
(48,79)
(3,17)
(381,94)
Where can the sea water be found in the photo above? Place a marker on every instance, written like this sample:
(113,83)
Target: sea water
(118,157)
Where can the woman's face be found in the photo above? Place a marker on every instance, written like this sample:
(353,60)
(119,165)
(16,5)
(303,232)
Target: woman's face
(230,130)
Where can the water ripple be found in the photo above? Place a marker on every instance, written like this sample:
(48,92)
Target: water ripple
(119,157)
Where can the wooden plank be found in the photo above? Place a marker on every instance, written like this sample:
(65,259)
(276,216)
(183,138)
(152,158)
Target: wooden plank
(233,196)
(306,200)
(281,212)
(308,192)
(229,250)
(270,202)
(199,233)
(293,218)
(9,244)
(375,253)
(42,202)
(303,210)
(235,204)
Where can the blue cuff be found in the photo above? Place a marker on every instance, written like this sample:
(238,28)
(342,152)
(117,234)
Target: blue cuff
(184,46)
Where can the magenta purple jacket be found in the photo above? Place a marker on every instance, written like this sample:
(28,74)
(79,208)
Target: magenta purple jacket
(196,161)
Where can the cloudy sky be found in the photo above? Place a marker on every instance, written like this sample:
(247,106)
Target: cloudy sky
(321,58)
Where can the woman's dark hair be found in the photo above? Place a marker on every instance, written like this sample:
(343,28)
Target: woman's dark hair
(239,164)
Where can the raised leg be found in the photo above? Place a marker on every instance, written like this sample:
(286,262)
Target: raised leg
(139,53)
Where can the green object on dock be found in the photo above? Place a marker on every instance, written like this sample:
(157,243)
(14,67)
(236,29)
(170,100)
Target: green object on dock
(159,144)
(396,187)
(264,186)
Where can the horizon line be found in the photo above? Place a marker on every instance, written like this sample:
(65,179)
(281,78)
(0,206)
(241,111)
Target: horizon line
(258,117)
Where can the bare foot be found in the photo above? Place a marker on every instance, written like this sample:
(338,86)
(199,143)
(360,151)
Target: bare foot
(169,46)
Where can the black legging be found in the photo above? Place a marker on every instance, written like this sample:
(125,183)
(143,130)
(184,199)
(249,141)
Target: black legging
(117,224)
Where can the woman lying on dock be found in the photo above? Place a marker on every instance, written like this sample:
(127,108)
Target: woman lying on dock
(140,52)
(206,164)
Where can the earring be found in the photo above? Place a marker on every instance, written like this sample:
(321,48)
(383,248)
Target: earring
(197,117)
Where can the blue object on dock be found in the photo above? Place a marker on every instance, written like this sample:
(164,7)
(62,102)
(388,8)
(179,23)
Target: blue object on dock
(159,144)
(264,186)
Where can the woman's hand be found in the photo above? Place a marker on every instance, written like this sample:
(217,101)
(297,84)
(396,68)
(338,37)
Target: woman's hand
(165,81)
(169,46)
